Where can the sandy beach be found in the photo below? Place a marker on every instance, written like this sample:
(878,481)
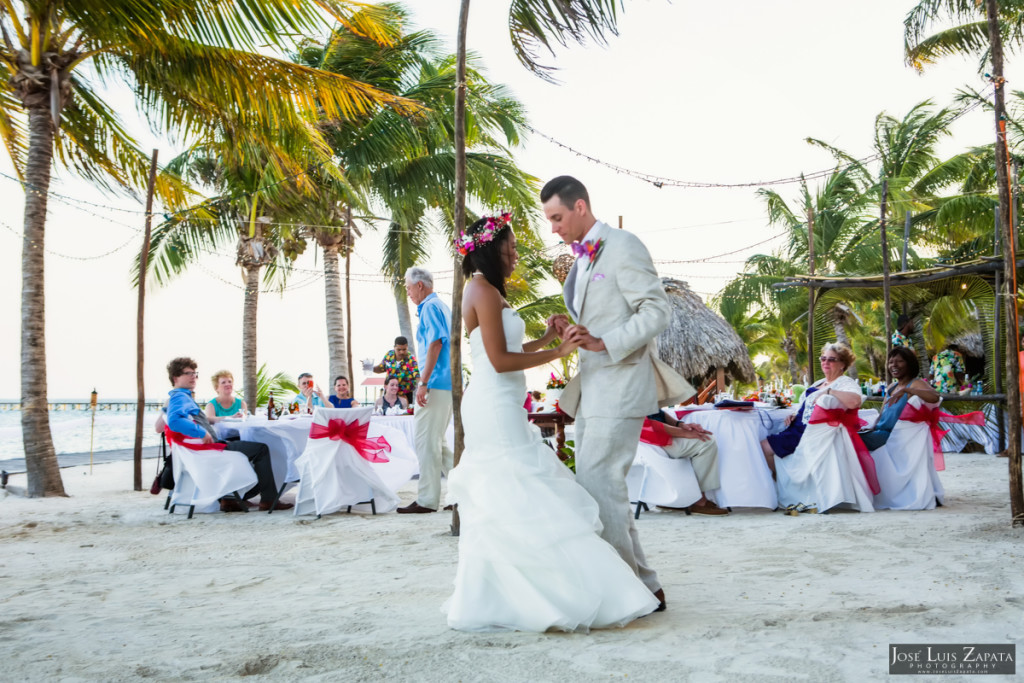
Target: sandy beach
(106,586)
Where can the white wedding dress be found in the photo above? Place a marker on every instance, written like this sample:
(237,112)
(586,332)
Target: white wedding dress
(530,557)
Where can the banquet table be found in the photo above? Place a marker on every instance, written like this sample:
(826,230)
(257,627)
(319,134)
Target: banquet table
(746,479)
(287,437)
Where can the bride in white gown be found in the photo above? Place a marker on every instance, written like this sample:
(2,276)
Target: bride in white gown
(530,557)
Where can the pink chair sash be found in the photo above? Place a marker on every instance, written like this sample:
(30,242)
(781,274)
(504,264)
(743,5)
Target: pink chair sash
(849,419)
(653,433)
(182,440)
(354,434)
(932,417)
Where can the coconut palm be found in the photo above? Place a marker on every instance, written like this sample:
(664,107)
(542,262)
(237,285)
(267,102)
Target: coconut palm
(187,62)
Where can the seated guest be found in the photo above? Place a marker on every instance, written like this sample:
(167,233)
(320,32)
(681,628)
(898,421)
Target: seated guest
(694,442)
(185,418)
(391,403)
(401,364)
(341,397)
(835,359)
(903,367)
(309,396)
(225,403)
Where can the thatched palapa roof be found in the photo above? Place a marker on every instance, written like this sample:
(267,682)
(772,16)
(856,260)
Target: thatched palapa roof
(698,340)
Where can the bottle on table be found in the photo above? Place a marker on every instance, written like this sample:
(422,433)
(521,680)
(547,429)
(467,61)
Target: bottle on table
(270,408)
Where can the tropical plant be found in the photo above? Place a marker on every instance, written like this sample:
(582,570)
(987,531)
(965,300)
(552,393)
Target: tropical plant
(276,384)
(187,62)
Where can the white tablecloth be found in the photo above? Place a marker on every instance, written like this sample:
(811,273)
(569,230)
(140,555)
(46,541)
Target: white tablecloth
(287,439)
(746,479)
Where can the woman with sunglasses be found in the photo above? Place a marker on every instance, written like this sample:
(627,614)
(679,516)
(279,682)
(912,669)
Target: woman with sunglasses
(835,359)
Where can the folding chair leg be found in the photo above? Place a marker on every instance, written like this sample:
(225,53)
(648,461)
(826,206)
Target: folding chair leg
(242,502)
(640,504)
(167,503)
(280,493)
(191,509)
(373,505)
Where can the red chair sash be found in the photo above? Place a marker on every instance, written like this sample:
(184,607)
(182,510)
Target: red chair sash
(182,440)
(932,417)
(654,433)
(354,434)
(849,419)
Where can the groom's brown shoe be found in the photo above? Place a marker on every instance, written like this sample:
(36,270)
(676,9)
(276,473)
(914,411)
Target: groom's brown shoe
(660,595)
(414,508)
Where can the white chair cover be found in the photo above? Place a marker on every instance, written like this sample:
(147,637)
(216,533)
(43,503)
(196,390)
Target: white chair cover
(657,479)
(823,471)
(332,475)
(906,466)
(201,478)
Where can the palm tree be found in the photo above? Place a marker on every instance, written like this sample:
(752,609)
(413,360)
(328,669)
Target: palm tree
(188,63)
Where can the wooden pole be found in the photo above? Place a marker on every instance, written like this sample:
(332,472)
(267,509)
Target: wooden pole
(886,294)
(810,297)
(1013,402)
(997,340)
(460,224)
(140,408)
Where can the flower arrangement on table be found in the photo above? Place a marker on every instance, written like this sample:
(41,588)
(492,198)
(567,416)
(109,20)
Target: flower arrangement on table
(556,382)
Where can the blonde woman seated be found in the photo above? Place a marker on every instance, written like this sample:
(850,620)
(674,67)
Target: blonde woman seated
(391,403)
(225,404)
(824,471)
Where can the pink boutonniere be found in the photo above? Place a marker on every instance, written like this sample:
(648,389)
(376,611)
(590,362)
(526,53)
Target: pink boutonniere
(597,276)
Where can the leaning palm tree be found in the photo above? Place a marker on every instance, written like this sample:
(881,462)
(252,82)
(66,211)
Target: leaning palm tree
(188,62)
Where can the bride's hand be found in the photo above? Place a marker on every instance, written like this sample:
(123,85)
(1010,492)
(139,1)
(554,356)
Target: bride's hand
(567,346)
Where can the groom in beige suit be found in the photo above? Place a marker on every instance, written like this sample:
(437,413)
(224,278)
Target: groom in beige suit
(614,294)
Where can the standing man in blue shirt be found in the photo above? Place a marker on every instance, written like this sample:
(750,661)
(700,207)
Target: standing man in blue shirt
(185,418)
(434,392)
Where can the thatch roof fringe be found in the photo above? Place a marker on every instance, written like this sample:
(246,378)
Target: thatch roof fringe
(698,340)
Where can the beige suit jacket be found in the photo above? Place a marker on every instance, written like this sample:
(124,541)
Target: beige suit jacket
(624,304)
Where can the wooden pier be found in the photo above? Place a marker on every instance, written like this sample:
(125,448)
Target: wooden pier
(111,406)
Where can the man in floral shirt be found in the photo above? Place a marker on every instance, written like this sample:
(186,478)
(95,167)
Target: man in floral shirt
(401,365)
(948,370)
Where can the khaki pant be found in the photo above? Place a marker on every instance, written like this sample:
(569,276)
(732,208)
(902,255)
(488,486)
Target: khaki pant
(432,449)
(605,448)
(703,456)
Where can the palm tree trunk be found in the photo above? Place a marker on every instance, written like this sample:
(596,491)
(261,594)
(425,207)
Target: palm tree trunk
(405,319)
(40,456)
(460,224)
(1013,398)
(336,346)
(249,365)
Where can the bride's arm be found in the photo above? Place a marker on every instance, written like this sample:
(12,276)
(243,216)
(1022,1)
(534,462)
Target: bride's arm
(549,336)
(484,301)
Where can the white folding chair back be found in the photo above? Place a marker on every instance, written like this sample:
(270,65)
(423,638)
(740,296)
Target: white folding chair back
(656,479)
(201,478)
(333,475)
(906,466)
(824,470)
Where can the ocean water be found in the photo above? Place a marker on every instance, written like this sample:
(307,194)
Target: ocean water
(71,431)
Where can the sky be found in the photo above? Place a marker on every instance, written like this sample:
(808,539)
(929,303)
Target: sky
(686,91)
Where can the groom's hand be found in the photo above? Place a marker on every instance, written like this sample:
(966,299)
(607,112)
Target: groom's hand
(582,337)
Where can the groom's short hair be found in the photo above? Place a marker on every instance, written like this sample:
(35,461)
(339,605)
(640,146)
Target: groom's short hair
(568,190)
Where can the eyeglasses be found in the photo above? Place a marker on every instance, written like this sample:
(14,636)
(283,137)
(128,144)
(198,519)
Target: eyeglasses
(828,359)
(191,373)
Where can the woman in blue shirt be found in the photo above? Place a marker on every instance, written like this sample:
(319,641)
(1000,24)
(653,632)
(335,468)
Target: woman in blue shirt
(225,404)
(340,398)
(903,366)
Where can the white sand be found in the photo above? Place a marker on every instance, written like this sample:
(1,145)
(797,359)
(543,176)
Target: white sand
(104,585)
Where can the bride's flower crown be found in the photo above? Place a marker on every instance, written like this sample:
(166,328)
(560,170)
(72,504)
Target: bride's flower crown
(495,224)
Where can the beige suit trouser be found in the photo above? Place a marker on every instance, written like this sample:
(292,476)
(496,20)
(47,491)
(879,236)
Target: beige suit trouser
(605,448)
(432,450)
(703,456)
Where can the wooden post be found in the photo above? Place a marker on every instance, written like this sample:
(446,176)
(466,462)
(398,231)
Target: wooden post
(997,340)
(460,224)
(1013,401)
(810,297)
(885,280)
(903,257)
(140,408)
(350,243)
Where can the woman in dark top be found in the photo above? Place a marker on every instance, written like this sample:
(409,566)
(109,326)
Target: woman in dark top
(391,399)
(903,366)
